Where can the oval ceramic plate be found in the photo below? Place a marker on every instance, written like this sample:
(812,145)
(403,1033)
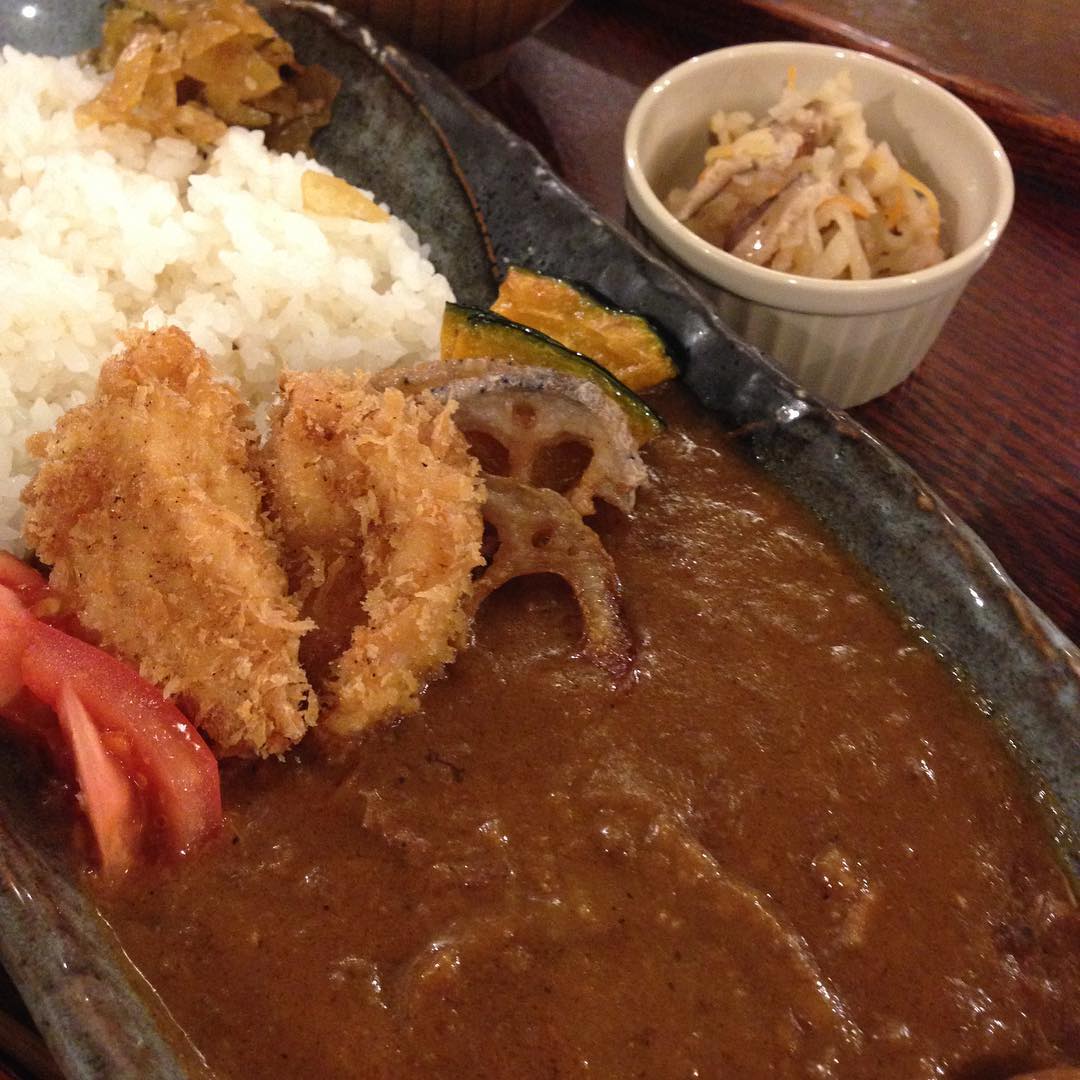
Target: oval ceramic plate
(481,198)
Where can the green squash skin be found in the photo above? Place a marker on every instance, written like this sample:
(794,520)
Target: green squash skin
(499,337)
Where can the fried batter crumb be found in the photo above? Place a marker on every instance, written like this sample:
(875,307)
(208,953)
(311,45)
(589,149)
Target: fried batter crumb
(379,504)
(148,508)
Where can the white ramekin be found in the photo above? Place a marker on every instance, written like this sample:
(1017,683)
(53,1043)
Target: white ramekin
(845,341)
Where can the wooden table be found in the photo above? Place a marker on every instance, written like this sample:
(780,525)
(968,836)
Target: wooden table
(989,418)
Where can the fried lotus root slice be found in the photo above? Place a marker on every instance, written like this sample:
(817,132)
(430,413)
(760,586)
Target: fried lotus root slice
(531,413)
(378,502)
(539,532)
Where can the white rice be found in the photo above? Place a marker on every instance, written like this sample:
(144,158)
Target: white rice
(106,229)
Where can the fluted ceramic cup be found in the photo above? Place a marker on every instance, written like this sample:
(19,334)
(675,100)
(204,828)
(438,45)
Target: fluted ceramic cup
(845,341)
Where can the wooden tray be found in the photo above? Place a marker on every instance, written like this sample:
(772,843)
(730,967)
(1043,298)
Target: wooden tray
(1020,78)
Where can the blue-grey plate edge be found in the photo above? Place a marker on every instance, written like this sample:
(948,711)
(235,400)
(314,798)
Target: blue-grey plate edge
(94,1009)
(877,506)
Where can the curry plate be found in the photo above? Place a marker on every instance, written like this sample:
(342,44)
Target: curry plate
(481,198)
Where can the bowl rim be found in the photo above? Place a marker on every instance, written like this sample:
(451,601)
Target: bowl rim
(792,291)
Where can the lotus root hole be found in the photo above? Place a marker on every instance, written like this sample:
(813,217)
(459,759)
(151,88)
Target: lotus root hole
(561,465)
(493,456)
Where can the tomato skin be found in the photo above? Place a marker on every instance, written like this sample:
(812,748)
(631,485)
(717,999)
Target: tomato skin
(136,755)
(14,637)
(35,595)
(23,580)
(162,744)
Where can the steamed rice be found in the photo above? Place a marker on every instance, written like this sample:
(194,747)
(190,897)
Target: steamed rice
(102,230)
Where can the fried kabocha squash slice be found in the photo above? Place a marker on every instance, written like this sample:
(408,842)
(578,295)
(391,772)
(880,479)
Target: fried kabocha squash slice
(624,342)
(469,333)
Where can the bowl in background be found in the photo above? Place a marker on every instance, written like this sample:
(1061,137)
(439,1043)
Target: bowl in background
(468,37)
(845,341)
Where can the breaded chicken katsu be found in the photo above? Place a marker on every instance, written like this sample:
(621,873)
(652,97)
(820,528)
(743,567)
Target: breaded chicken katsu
(148,508)
(328,573)
(345,546)
(379,503)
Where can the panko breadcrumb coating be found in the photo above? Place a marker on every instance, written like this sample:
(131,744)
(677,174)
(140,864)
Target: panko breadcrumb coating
(379,505)
(148,507)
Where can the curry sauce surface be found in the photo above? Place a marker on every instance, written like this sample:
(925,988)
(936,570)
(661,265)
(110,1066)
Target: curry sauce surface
(790,845)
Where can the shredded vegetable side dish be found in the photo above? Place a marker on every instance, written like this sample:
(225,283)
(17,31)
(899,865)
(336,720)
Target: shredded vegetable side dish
(805,190)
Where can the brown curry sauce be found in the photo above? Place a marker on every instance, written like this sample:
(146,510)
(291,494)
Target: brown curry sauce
(790,845)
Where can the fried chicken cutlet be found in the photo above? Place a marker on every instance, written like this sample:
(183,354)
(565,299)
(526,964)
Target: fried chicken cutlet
(148,508)
(379,505)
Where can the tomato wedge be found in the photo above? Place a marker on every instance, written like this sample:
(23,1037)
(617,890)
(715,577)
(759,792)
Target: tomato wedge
(144,772)
(14,637)
(106,791)
(22,579)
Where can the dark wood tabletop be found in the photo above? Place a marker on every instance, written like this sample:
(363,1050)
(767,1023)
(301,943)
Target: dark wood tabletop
(990,417)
